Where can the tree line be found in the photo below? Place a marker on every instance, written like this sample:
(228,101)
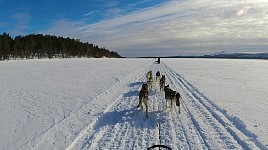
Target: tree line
(47,46)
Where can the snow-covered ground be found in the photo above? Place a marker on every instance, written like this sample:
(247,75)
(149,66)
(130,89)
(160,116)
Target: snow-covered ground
(236,85)
(91,104)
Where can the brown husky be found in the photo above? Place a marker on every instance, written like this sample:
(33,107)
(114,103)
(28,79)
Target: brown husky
(149,75)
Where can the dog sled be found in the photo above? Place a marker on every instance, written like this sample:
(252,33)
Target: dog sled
(159,146)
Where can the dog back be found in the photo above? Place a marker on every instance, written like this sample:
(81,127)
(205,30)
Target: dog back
(167,92)
(178,96)
(158,73)
(162,79)
(149,74)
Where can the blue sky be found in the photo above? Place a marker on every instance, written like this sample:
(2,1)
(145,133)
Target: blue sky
(145,27)
(35,15)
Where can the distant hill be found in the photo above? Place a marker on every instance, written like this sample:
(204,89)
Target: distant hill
(229,55)
(47,46)
(239,56)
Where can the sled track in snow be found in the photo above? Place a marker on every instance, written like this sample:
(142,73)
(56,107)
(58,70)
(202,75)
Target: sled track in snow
(120,125)
(114,128)
(199,126)
(176,126)
(217,117)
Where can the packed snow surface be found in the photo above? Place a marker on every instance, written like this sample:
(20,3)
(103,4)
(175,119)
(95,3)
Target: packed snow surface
(239,86)
(91,104)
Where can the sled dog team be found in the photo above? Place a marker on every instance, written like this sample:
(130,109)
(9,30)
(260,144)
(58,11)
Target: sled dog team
(170,95)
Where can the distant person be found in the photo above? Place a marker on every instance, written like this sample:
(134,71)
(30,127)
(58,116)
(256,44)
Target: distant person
(158,60)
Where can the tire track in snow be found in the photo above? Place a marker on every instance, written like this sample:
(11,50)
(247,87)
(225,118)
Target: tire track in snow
(222,120)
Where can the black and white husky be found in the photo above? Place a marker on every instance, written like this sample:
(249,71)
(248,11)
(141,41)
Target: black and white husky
(178,103)
(157,76)
(144,97)
(162,83)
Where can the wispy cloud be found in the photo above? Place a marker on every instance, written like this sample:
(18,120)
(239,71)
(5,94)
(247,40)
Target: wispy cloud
(22,20)
(178,27)
(105,9)
(66,28)
(104,3)
(112,12)
(89,13)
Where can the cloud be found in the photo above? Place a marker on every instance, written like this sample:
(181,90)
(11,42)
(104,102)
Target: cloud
(178,27)
(104,3)
(105,9)
(22,22)
(113,12)
(65,28)
(89,13)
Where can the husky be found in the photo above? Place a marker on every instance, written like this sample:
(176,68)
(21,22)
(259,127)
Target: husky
(150,83)
(149,75)
(144,97)
(172,98)
(162,83)
(178,103)
(167,93)
(157,78)
(170,95)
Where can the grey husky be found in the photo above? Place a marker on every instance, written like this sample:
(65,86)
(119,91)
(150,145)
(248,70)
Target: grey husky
(173,96)
(144,97)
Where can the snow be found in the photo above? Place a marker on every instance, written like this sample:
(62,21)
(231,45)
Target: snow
(238,86)
(91,104)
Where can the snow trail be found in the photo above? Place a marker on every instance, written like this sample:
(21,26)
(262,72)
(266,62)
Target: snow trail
(118,124)
(61,134)
(198,126)
(217,117)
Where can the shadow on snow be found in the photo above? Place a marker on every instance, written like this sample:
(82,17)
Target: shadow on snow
(131,93)
(135,83)
(133,117)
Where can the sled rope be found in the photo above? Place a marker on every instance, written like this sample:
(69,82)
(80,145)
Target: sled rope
(158,123)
